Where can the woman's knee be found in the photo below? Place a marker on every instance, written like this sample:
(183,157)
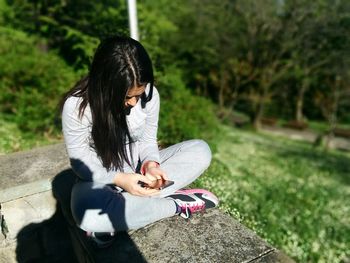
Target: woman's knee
(202,152)
(90,205)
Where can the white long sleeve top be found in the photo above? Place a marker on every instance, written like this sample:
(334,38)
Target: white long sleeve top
(143,126)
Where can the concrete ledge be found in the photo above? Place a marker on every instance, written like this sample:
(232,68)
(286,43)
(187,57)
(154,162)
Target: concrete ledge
(16,192)
(211,237)
(28,209)
(31,166)
(42,229)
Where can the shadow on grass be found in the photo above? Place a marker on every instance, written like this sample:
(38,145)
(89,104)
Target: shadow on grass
(58,239)
(336,164)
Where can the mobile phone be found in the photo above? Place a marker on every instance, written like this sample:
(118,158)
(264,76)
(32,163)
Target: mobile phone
(166,184)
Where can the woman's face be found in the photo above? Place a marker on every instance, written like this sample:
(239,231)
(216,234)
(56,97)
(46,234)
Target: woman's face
(133,95)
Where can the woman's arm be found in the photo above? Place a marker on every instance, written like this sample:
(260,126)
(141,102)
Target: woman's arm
(84,160)
(148,147)
(149,153)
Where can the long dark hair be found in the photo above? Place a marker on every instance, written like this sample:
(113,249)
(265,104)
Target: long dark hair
(119,64)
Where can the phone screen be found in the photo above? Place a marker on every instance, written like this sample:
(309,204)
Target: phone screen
(166,184)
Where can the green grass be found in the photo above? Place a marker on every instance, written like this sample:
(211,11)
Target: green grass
(295,197)
(13,139)
(322,127)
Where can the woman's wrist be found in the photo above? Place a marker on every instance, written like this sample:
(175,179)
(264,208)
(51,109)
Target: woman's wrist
(118,179)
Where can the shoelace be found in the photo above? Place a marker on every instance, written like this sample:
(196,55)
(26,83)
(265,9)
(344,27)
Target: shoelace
(191,208)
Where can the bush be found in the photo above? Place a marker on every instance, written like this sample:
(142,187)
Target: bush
(31,81)
(6,13)
(183,115)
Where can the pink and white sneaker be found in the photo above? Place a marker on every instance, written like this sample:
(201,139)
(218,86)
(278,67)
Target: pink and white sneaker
(193,200)
(195,191)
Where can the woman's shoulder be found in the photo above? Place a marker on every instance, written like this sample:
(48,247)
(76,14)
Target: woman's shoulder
(71,116)
(71,104)
(72,101)
(71,107)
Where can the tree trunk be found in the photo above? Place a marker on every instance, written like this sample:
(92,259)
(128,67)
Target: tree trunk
(299,116)
(258,114)
(205,92)
(299,108)
(234,94)
(198,88)
(221,97)
(232,105)
(222,88)
(333,117)
(329,138)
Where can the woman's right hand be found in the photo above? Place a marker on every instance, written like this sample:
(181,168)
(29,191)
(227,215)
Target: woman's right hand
(130,182)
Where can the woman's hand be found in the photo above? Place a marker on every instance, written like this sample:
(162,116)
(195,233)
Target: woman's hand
(131,183)
(152,169)
(157,176)
(156,173)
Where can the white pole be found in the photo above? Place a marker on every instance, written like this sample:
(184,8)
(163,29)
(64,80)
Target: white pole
(133,19)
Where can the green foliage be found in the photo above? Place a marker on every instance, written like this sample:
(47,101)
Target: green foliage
(261,57)
(13,139)
(156,33)
(72,27)
(285,191)
(74,46)
(6,12)
(31,81)
(184,115)
(79,48)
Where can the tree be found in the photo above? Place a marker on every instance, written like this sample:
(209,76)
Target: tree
(305,45)
(72,27)
(202,43)
(334,91)
(263,52)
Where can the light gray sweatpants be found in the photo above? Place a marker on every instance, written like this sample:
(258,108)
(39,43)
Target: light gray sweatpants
(102,208)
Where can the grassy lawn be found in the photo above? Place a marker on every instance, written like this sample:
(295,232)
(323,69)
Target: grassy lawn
(321,127)
(295,197)
(13,139)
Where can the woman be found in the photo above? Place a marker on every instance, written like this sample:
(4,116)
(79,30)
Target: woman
(110,121)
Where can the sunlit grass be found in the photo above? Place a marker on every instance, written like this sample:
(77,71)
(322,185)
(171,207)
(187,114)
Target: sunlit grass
(295,197)
(13,139)
(322,127)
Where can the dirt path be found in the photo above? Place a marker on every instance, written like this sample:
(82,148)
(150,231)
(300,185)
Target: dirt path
(307,135)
